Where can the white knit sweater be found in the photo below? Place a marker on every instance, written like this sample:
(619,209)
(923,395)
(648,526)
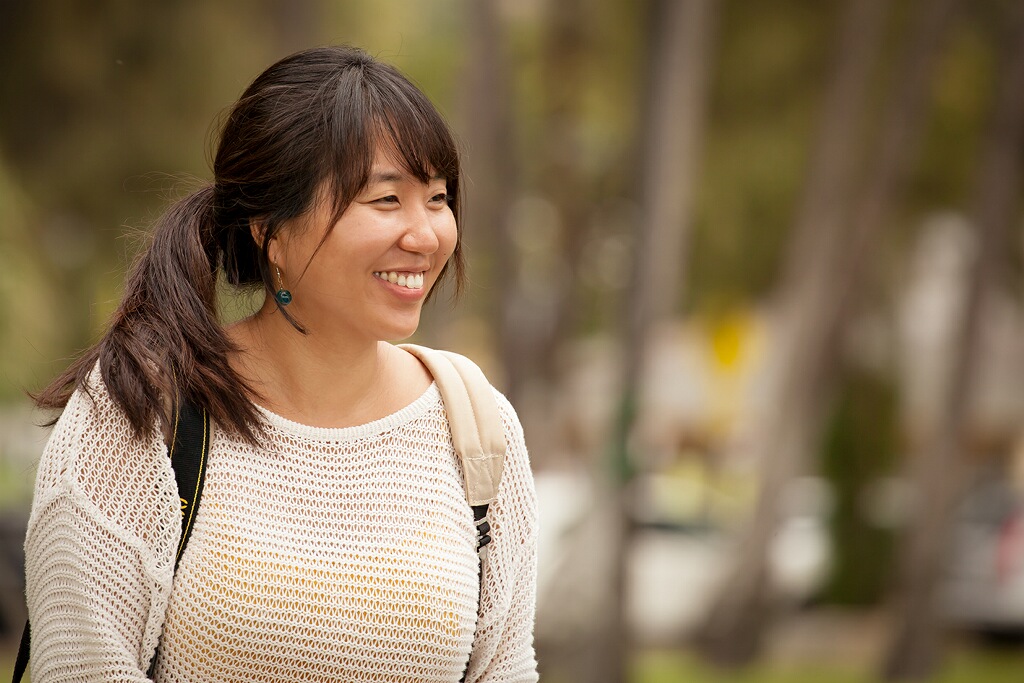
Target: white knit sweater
(324,555)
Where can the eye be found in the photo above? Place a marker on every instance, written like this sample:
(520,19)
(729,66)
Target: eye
(441,198)
(388,200)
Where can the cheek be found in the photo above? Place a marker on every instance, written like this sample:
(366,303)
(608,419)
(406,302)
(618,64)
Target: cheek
(447,236)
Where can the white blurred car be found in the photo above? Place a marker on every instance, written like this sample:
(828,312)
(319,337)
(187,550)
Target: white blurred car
(983,589)
(675,565)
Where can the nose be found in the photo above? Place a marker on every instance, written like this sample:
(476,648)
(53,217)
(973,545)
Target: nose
(420,235)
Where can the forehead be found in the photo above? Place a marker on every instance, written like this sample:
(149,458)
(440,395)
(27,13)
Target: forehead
(391,166)
(409,155)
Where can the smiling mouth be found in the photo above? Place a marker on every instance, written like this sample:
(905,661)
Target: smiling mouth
(407,280)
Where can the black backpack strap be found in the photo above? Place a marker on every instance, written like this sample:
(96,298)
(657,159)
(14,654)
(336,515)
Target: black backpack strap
(21,663)
(190,444)
(483,528)
(483,537)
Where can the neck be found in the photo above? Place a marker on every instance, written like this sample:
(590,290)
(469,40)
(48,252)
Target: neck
(316,379)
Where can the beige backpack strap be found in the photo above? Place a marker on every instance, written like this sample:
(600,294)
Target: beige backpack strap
(477,431)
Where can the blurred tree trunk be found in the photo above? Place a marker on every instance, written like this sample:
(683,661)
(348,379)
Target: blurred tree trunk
(531,330)
(562,175)
(682,41)
(939,468)
(817,295)
(504,186)
(733,630)
(487,184)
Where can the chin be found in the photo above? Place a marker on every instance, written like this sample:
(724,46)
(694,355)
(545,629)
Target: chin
(399,332)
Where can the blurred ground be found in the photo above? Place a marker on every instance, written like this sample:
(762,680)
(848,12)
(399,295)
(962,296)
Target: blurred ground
(827,646)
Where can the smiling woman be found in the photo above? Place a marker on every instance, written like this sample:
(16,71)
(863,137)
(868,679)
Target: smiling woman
(398,225)
(335,540)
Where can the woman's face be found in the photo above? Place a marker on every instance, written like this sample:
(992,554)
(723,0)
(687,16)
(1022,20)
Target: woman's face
(371,276)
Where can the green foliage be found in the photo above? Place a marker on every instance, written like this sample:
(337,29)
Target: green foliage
(964,666)
(963,94)
(766,91)
(100,132)
(860,448)
(28,333)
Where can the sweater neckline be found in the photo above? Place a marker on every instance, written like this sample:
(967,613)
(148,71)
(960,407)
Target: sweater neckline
(381,425)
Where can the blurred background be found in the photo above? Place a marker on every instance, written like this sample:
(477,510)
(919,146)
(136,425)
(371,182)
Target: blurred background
(751,272)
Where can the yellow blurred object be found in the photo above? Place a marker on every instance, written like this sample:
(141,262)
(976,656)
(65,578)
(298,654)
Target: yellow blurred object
(734,340)
(730,340)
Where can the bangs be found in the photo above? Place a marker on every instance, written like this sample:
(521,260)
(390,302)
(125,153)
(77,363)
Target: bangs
(422,147)
(379,110)
(410,128)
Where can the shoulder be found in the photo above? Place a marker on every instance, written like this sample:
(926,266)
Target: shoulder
(93,454)
(450,370)
(102,430)
(510,420)
(88,427)
(516,491)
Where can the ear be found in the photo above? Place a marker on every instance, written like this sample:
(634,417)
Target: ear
(258,230)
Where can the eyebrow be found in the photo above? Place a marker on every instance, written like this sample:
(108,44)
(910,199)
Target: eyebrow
(395,176)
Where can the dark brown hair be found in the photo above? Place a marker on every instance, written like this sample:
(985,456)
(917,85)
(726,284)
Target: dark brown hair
(312,121)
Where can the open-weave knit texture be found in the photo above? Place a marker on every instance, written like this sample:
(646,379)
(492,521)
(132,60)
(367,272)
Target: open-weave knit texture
(325,555)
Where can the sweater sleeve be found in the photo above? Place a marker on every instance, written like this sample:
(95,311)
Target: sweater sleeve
(503,649)
(99,549)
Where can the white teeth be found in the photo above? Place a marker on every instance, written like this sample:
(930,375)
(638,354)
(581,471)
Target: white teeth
(408,280)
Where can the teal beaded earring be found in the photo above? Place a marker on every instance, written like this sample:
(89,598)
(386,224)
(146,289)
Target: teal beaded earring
(282,295)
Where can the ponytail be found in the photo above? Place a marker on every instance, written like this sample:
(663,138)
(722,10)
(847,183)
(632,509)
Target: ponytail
(165,342)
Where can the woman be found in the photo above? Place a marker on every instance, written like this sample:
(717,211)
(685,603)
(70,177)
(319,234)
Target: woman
(333,541)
